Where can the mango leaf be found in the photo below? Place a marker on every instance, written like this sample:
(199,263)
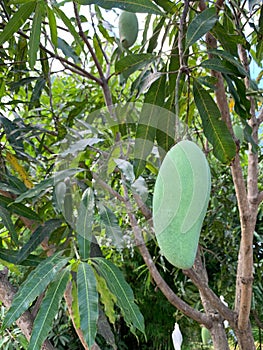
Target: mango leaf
(221,66)
(17,20)
(167,5)
(68,24)
(200,25)
(148,123)
(131,63)
(215,129)
(33,286)
(228,57)
(37,237)
(13,134)
(143,6)
(119,287)
(107,298)
(153,42)
(34,39)
(242,104)
(46,184)
(11,257)
(88,302)
(68,51)
(48,310)
(84,223)
(52,26)
(110,222)
(8,223)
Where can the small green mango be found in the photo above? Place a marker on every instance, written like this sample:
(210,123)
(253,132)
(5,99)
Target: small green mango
(205,336)
(180,201)
(128,28)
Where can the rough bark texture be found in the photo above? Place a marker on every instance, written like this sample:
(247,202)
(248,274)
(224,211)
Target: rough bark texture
(25,322)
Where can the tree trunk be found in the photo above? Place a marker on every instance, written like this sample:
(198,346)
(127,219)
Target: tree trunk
(219,337)
(245,339)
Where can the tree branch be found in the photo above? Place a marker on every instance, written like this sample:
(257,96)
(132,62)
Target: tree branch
(160,282)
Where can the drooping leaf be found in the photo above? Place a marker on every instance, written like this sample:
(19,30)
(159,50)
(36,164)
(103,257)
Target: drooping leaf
(215,129)
(242,103)
(107,298)
(17,20)
(143,6)
(8,223)
(48,310)
(34,39)
(68,24)
(126,168)
(33,286)
(221,66)
(167,5)
(52,26)
(110,223)
(17,208)
(153,42)
(228,57)
(12,132)
(68,50)
(84,223)
(119,287)
(88,302)
(11,257)
(46,184)
(37,91)
(131,63)
(148,123)
(37,237)
(200,25)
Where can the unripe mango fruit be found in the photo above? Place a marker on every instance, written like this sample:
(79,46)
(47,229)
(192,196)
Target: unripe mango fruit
(180,201)
(128,28)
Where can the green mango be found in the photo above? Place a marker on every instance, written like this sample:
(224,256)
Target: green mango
(180,201)
(206,336)
(128,28)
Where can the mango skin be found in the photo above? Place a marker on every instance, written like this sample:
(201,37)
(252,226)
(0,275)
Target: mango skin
(180,201)
(128,28)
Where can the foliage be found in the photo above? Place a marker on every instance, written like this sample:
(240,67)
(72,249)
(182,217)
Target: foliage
(75,173)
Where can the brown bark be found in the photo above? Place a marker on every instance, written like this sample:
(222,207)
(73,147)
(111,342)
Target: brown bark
(24,322)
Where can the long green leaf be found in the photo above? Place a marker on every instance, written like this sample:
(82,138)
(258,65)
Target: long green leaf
(148,123)
(11,257)
(112,228)
(228,57)
(33,286)
(7,221)
(119,287)
(16,22)
(200,25)
(52,26)
(129,64)
(84,223)
(143,6)
(48,310)
(34,39)
(46,184)
(68,24)
(215,129)
(17,208)
(221,66)
(37,237)
(88,302)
